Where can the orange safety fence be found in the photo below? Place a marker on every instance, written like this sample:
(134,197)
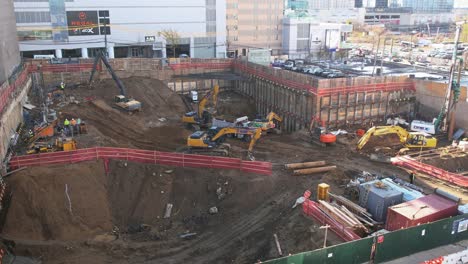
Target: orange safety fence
(311,209)
(141,156)
(8,90)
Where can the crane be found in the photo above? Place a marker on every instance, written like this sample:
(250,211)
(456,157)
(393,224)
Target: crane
(202,116)
(212,141)
(120,100)
(445,121)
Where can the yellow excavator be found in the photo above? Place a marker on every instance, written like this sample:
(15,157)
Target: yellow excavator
(202,117)
(211,141)
(408,139)
(267,123)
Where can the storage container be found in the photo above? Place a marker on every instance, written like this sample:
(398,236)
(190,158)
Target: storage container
(322,191)
(376,197)
(423,210)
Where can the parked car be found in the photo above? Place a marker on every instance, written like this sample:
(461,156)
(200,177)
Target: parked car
(289,64)
(336,74)
(397,60)
(278,63)
(298,65)
(318,71)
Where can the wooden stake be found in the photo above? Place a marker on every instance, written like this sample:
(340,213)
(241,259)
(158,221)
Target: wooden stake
(278,247)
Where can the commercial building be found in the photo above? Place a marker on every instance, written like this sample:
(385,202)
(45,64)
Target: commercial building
(304,36)
(9,53)
(78,28)
(425,6)
(254,25)
(404,18)
(329,11)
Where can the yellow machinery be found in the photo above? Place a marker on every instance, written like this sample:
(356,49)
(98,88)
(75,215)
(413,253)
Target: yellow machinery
(267,123)
(408,139)
(211,141)
(66,144)
(202,116)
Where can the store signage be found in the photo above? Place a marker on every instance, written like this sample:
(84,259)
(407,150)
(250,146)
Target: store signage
(82,23)
(150,38)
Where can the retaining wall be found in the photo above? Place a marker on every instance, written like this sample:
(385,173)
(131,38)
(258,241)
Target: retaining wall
(431,96)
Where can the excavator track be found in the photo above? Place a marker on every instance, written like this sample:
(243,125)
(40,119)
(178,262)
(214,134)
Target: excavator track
(223,150)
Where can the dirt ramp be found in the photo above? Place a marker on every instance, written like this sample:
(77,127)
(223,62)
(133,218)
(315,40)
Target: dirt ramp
(40,209)
(157,99)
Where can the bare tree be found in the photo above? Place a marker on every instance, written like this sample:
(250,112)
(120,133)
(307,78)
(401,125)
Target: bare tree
(172,38)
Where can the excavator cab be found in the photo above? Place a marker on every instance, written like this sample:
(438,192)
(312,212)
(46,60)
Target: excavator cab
(420,139)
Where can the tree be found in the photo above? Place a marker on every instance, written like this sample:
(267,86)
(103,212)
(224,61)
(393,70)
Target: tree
(172,38)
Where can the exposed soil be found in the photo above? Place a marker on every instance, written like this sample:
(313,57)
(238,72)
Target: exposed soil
(118,218)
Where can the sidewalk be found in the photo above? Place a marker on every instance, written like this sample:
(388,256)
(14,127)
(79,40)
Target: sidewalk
(431,254)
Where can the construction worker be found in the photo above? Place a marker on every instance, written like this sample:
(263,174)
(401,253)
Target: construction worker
(66,126)
(411,177)
(73,125)
(62,86)
(78,123)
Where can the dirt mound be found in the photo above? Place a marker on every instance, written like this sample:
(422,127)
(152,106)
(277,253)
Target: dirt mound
(40,209)
(155,96)
(452,164)
(381,143)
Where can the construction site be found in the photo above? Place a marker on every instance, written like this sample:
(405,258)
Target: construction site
(226,161)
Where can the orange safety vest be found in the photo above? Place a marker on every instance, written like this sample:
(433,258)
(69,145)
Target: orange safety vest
(73,122)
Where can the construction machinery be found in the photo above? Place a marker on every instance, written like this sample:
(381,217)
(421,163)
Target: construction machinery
(120,101)
(61,144)
(320,134)
(408,139)
(211,141)
(202,117)
(445,121)
(268,123)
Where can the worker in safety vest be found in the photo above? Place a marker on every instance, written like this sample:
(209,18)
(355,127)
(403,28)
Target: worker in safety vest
(66,126)
(62,86)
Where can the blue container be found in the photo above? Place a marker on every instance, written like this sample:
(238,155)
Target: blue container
(378,199)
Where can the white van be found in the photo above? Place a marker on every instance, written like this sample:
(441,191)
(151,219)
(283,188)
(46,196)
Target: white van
(194,96)
(44,56)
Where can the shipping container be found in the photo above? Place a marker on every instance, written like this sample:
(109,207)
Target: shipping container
(423,210)
(376,197)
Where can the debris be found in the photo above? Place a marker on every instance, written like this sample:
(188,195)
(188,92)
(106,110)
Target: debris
(29,106)
(168,171)
(220,193)
(168,212)
(278,246)
(213,210)
(162,119)
(299,201)
(187,235)
(305,165)
(314,170)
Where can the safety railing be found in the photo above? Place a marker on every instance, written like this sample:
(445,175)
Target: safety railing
(7,90)
(408,162)
(311,209)
(141,156)
(62,67)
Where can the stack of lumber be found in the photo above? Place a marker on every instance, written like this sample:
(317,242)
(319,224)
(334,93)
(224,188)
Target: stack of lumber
(359,212)
(343,216)
(312,167)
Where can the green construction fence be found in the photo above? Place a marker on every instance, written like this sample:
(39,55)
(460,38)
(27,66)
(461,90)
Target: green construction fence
(389,246)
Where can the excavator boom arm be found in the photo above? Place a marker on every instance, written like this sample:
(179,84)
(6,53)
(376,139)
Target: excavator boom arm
(383,130)
(101,56)
(273,116)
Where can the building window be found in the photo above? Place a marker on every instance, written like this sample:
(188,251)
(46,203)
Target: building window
(32,17)
(35,35)
(136,52)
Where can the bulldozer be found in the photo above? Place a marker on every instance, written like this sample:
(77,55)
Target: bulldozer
(211,141)
(410,140)
(121,101)
(202,117)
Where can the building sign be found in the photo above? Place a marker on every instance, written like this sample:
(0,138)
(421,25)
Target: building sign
(82,23)
(150,38)
(259,56)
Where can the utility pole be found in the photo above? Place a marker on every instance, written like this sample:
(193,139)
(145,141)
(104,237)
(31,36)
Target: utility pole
(326,234)
(105,39)
(375,56)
